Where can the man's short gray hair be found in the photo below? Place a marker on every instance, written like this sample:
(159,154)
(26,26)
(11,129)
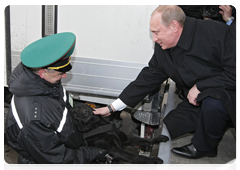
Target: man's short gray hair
(170,13)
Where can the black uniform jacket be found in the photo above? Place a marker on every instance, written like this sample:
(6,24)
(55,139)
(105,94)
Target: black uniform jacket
(205,55)
(41,129)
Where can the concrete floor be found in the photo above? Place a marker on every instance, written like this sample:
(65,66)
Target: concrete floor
(226,150)
(10,155)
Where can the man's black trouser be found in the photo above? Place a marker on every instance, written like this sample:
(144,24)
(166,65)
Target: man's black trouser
(207,121)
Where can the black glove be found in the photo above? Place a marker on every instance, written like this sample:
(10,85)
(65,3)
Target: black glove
(98,154)
(101,158)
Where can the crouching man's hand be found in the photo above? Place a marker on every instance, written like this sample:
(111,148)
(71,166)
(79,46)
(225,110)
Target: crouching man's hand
(104,111)
(192,95)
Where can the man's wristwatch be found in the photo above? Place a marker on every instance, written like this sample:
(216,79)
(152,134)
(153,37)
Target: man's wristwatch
(110,109)
(230,18)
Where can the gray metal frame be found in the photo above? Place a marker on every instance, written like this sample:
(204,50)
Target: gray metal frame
(100,77)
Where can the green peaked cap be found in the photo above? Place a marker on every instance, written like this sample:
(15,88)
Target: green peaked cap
(48,50)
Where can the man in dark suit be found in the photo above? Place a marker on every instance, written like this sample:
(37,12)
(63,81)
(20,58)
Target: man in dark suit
(200,57)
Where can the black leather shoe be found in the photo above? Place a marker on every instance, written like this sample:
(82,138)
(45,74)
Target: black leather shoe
(189,151)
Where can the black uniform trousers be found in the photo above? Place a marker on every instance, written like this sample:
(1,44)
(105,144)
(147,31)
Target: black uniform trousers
(208,122)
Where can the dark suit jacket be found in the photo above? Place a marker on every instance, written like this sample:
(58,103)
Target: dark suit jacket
(234,26)
(205,55)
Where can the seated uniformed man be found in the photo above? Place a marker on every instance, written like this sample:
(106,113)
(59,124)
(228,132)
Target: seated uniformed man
(38,125)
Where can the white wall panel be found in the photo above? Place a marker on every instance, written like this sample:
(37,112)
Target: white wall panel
(25,25)
(119,33)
